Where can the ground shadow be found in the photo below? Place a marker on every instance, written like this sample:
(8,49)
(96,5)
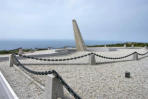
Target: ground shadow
(143,57)
(112,62)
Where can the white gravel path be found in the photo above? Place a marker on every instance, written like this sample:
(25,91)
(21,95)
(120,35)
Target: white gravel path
(106,81)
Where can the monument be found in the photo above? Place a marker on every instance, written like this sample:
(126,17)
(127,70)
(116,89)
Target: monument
(80,45)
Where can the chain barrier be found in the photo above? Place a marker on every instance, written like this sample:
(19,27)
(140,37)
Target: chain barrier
(69,89)
(142,54)
(66,59)
(114,58)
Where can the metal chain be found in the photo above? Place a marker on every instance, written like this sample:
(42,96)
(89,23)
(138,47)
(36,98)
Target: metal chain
(69,89)
(24,56)
(142,54)
(113,57)
(66,59)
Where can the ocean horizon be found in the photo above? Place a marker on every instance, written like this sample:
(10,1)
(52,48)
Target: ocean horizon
(32,44)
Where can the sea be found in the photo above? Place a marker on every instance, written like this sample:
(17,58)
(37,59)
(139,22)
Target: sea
(33,44)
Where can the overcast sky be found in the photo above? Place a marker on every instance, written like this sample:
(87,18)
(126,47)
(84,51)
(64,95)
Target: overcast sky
(118,20)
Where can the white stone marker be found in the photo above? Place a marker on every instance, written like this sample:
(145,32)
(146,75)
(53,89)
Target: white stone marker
(53,88)
(20,51)
(124,45)
(78,37)
(135,56)
(145,47)
(132,46)
(92,60)
(11,62)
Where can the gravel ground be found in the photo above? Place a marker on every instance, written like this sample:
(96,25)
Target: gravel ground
(23,87)
(105,80)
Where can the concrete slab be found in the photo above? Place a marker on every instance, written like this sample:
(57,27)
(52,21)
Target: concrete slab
(6,92)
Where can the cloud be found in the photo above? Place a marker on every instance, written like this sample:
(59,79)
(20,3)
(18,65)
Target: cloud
(97,19)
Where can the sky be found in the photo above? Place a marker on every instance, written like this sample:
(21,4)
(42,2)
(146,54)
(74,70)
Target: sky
(112,20)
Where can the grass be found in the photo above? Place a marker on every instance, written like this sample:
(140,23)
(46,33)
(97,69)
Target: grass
(13,51)
(17,50)
(8,51)
(128,44)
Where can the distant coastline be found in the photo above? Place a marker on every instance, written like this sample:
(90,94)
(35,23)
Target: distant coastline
(111,44)
(33,44)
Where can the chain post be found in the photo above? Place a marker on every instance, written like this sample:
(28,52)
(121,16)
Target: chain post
(11,60)
(20,51)
(135,56)
(53,88)
(92,60)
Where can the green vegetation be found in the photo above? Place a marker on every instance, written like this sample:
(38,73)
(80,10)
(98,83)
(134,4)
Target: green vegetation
(8,51)
(13,51)
(128,44)
(24,50)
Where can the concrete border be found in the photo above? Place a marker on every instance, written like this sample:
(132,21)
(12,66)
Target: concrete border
(7,88)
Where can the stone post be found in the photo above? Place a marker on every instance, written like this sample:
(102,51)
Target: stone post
(11,60)
(53,88)
(135,56)
(132,46)
(145,47)
(105,46)
(124,45)
(20,51)
(92,60)
(127,75)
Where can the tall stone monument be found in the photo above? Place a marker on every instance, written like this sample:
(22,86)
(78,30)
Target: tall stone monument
(80,45)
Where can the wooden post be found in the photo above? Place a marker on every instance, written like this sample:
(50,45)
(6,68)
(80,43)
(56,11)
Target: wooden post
(53,88)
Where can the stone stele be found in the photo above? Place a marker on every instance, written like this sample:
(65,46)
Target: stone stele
(80,45)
